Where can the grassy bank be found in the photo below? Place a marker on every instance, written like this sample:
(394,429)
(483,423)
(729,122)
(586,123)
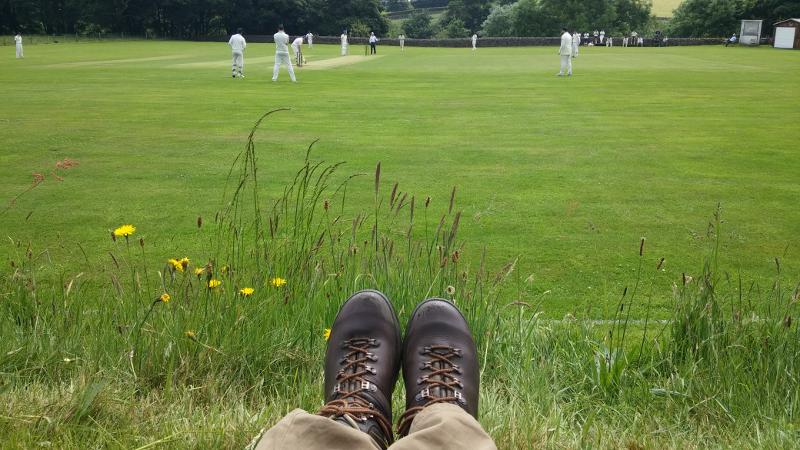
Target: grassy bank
(113,362)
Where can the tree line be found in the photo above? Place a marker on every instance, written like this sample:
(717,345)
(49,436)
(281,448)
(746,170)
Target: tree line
(189,18)
(461,18)
(501,18)
(707,18)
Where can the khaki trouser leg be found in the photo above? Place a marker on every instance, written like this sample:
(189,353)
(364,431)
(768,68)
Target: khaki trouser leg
(437,427)
(444,427)
(301,430)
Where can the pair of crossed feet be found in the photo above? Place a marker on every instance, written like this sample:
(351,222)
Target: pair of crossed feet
(365,354)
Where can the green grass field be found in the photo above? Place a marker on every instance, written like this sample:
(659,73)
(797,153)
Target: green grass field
(557,181)
(566,174)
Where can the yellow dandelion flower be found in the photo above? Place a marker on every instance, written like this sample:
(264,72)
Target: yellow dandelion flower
(277,282)
(214,283)
(246,292)
(327,333)
(184,262)
(190,334)
(199,271)
(176,264)
(165,298)
(124,231)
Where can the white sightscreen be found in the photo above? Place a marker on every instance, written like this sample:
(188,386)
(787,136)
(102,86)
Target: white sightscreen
(784,37)
(750,33)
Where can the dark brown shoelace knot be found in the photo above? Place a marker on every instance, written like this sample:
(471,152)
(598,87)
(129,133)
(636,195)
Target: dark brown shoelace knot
(441,385)
(348,400)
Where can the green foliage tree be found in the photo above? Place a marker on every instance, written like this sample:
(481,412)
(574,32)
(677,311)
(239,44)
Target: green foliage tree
(397,5)
(471,13)
(707,18)
(771,11)
(500,22)
(546,17)
(189,18)
(453,29)
(631,15)
(419,25)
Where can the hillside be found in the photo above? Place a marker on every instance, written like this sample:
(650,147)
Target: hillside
(664,8)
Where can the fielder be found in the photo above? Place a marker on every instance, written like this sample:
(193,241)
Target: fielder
(625,41)
(297,48)
(343,37)
(609,41)
(402,39)
(474,41)
(373,42)
(565,51)
(310,39)
(282,54)
(576,42)
(237,44)
(18,42)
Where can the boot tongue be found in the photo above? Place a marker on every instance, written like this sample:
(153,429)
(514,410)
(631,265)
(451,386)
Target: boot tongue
(438,390)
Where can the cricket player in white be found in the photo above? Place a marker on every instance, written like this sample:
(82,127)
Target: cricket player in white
(310,40)
(343,37)
(609,41)
(18,42)
(373,42)
(237,44)
(297,48)
(474,41)
(282,54)
(402,39)
(625,41)
(576,42)
(565,51)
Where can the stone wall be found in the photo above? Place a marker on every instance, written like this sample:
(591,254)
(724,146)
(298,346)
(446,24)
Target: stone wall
(482,42)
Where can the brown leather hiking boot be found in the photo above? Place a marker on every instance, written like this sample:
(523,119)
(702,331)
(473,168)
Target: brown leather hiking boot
(440,363)
(362,364)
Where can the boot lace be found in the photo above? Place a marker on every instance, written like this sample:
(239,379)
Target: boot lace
(441,385)
(349,401)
